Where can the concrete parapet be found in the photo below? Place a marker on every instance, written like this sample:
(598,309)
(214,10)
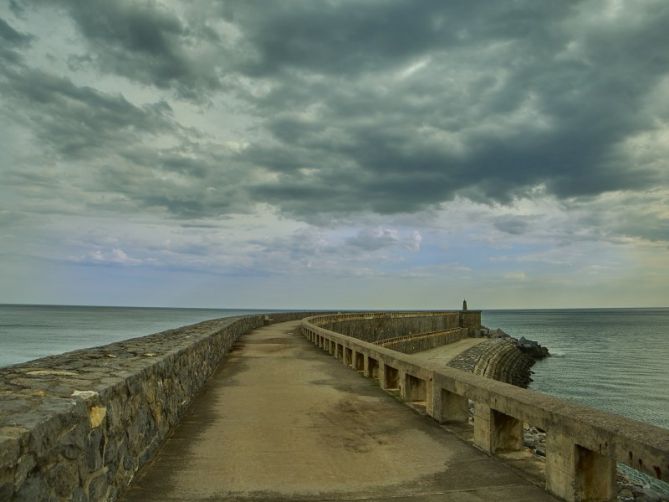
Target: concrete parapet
(410,344)
(583,445)
(380,326)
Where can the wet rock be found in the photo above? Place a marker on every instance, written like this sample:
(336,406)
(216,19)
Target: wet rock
(25,464)
(63,477)
(532,348)
(34,488)
(498,333)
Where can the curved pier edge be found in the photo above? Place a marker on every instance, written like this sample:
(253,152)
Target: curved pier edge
(582,447)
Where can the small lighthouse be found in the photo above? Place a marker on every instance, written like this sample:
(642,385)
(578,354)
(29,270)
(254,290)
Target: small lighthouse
(464,305)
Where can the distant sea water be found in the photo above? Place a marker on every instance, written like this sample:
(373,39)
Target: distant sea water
(31,331)
(615,360)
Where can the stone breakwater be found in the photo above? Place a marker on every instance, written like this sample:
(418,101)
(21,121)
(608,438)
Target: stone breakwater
(502,358)
(79,425)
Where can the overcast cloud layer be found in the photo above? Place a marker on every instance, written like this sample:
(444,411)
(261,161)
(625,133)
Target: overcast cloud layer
(405,153)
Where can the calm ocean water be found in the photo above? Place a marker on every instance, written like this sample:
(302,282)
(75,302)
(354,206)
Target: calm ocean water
(31,331)
(612,359)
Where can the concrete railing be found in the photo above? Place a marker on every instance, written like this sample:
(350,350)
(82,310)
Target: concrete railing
(583,445)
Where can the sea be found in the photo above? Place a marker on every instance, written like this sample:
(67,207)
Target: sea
(616,360)
(31,331)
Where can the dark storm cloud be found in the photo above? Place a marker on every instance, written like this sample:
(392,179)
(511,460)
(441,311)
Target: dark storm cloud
(10,41)
(350,37)
(144,42)
(364,106)
(10,36)
(506,98)
(77,122)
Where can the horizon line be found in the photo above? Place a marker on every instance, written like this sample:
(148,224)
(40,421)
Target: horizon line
(333,309)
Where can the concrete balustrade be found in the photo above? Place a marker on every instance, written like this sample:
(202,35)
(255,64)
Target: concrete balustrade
(583,445)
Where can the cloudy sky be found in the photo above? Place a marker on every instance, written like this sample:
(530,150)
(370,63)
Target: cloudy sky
(334,153)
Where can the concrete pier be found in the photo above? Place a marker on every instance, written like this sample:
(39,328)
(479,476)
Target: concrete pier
(281,420)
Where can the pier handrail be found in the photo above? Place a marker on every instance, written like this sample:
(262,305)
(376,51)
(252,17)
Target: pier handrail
(582,444)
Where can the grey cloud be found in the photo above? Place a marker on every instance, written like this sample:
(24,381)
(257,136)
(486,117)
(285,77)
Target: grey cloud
(374,239)
(75,121)
(188,181)
(10,36)
(641,216)
(145,42)
(347,37)
(648,227)
(514,225)
(367,106)
(10,43)
(496,111)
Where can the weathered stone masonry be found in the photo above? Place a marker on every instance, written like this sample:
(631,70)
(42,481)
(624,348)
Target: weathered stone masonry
(77,426)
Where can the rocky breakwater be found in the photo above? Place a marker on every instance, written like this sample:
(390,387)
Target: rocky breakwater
(502,357)
(78,426)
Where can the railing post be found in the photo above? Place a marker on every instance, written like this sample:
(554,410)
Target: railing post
(575,473)
(358,361)
(404,385)
(447,406)
(381,372)
(494,431)
(389,377)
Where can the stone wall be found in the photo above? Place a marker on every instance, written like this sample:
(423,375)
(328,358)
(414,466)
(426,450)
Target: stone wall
(410,344)
(383,326)
(497,358)
(78,426)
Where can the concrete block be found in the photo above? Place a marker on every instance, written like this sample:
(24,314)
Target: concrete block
(575,473)
(494,431)
(447,406)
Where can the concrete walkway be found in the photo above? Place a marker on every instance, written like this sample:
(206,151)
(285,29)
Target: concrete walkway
(441,356)
(282,420)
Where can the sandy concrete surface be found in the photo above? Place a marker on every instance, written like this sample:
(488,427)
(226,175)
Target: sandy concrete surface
(282,420)
(443,355)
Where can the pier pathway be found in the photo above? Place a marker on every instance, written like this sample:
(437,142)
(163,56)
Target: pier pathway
(282,421)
